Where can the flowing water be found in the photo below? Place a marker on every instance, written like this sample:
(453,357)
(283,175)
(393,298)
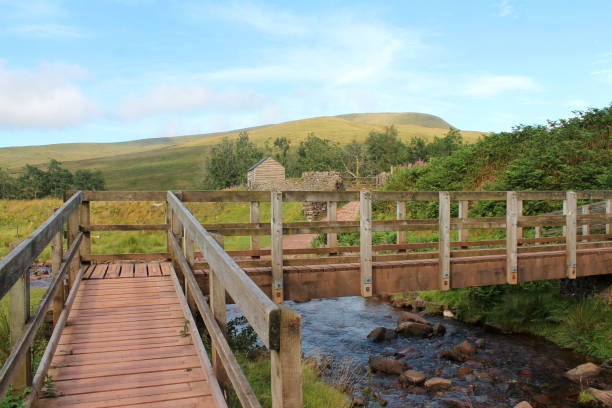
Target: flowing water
(507,370)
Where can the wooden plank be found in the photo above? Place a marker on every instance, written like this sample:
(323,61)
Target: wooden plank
(365,242)
(154,269)
(142,257)
(241,385)
(217,297)
(125,227)
(276,227)
(254,215)
(286,363)
(403,196)
(512,215)
(571,232)
(319,196)
(400,214)
(541,195)
(99,271)
(165,268)
(118,346)
(85,215)
(225,196)
(444,219)
(140,270)
(609,213)
(262,313)
(24,254)
(586,210)
(113,271)
(519,213)
(89,271)
(332,238)
(127,270)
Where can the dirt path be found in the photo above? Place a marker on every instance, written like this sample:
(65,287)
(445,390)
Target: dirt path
(349,212)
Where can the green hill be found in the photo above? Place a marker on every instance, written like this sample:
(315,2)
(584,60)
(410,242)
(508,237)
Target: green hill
(176,162)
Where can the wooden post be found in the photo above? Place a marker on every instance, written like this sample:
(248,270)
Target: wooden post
(519,213)
(254,217)
(463,233)
(586,228)
(276,220)
(512,204)
(189,250)
(608,213)
(444,240)
(57,252)
(538,232)
(73,231)
(19,314)
(332,237)
(286,364)
(365,242)
(85,222)
(218,308)
(570,237)
(400,214)
(565,213)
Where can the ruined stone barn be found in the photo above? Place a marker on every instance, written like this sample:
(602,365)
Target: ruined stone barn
(266,172)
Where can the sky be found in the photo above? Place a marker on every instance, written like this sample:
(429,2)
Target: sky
(116,70)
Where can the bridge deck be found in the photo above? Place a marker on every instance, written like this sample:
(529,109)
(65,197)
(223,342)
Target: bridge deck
(127,343)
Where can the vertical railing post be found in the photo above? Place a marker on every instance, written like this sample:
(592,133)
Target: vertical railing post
(57,252)
(286,364)
(73,231)
(565,213)
(85,222)
(519,213)
(609,214)
(332,237)
(586,228)
(512,204)
(276,220)
(571,229)
(400,214)
(444,252)
(218,307)
(19,314)
(537,232)
(189,251)
(254,217)
(365,242)
(463,233)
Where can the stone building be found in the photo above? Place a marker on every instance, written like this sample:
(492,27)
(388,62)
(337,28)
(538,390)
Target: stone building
(264,174)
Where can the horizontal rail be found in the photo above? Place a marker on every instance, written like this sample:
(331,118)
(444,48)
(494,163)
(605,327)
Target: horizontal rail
(20,348)
(334,196)
(125,227)
(260,311)
(22,257)
(241,385)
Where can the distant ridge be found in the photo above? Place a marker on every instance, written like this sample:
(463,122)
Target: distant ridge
(399,118)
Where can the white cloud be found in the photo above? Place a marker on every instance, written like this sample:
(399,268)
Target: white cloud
(577,104)
(505,9)
(170,98)
(490,85)
(48,31)
(44,97)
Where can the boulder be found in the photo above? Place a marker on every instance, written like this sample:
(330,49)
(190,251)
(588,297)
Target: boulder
(454,403)
(583,372)
(413,389)
(523,404)
(411,317)
(377,335)
(480,343)
(605,397)
(439,329)
(390,334)
(461,352)
(412,377)
(408,329)
(438,384)
(607,365)
(385,365)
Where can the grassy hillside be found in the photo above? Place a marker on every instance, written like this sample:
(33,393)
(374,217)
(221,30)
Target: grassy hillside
(165,163)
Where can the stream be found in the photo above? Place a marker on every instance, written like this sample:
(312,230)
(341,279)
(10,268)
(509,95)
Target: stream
(507,370)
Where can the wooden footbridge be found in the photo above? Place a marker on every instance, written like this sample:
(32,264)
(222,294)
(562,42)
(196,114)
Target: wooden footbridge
(124,332)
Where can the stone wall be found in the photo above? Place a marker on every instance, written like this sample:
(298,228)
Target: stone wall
(310,181)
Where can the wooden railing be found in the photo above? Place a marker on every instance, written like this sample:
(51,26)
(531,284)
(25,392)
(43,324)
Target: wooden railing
(277,327)
(15,282)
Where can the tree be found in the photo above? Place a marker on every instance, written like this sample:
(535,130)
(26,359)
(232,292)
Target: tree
(316,154)
(58,179)
(355,159)
(33,183)
(89,180)
(385,149)
(445,146)
(281,147)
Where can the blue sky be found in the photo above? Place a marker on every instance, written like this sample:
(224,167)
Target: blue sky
(84,71)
